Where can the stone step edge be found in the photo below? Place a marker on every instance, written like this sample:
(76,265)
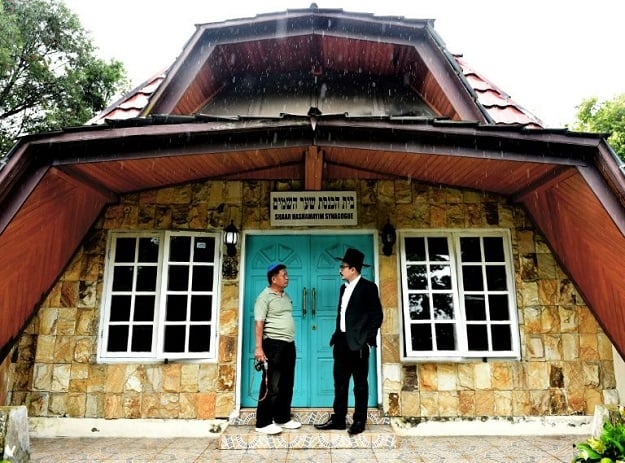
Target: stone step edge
(308,416)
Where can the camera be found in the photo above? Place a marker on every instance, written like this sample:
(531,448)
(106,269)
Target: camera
(260,365)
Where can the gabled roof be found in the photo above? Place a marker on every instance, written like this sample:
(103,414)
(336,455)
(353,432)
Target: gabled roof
(318,41)
(56,185)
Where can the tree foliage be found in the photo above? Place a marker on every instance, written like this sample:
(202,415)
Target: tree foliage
(50,76)
(604,117)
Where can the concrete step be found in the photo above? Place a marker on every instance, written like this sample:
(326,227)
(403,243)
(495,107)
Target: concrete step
(375,436)
(241,433)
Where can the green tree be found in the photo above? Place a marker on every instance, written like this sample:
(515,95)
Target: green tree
(604,117)
(50,76)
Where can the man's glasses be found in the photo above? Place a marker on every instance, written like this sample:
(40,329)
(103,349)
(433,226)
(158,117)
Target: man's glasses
(345,266)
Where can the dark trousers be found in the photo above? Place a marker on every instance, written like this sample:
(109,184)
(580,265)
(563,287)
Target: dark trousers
(276,406)
(350,364)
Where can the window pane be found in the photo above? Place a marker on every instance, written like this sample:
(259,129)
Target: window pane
(199,338)
(475,307)
(148,249)
(146,315)
(498,307)
(417,277)
(502,339)
(421,337)
(415,249)
(440,276)
(445,336)
(474,315)
(204,249)
(438,249)
(419,307)
(178,278)
(146,278)
(472,278)
(120,309)
(176,308)
(174,338)
(118,338)
(496,277)
(180,248)
(470,249)
(125,249)
(122,278)
(202,278)
(201,308)
(493,249)
(477,337)
(141,338)
(144,309)
(443,307)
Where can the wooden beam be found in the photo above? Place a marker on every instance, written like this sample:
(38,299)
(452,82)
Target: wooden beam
(313,169)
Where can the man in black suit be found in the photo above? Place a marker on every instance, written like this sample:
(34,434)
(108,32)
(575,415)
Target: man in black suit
(358,320)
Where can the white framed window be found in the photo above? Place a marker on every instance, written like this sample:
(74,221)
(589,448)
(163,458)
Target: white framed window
(458,295)
(160,296)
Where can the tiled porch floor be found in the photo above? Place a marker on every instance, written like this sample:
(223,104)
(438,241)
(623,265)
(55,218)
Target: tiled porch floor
(465,449)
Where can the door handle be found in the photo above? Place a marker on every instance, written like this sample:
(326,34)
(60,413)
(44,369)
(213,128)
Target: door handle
(304,297)
(314,302)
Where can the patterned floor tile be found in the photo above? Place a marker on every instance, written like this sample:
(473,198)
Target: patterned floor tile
(309,456)
(263,441)
(226,456)
(266,455)
(464,449)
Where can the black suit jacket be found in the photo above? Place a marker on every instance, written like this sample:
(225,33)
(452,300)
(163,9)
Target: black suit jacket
(363,316)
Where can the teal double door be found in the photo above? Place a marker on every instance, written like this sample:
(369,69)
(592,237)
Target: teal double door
(314,284)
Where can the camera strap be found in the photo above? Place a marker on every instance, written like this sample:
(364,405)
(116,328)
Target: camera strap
(250,389)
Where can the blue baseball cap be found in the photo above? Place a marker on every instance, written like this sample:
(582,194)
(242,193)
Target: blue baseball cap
(273,266)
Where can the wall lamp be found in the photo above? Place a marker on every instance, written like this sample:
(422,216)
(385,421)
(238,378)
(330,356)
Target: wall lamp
(231,238)
(388,238)
(230,266)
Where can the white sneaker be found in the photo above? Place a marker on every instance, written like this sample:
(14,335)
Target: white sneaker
(291,424)
(270,429)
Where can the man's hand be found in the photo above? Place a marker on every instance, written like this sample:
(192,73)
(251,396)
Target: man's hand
(259,354)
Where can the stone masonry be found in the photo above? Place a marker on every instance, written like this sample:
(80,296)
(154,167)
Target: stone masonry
(566,366)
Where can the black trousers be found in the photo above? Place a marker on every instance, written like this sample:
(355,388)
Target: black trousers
(350,364)
(276,406)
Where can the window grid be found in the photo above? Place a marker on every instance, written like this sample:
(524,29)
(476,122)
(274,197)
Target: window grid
(127,331)
(186,329)
(473,272)
(138,296)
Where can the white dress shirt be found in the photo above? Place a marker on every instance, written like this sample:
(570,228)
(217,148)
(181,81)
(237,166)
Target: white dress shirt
(349,289)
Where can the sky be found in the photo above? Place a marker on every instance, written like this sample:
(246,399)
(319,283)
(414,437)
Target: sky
(547,55)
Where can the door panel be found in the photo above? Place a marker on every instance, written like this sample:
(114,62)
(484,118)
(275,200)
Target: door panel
(314,283)
(327,280)
(260,252)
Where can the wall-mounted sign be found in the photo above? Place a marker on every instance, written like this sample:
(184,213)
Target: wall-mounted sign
(313,208)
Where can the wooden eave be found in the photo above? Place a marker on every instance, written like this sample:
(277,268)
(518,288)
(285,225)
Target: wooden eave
(57,185)
(314,40)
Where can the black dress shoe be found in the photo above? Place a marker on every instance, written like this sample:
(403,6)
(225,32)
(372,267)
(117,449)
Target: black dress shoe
(357,427)
(332,423)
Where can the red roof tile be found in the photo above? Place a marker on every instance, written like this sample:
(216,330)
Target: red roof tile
(132,103)
(500,107)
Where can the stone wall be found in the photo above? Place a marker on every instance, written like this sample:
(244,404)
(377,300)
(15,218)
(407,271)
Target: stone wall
(566,366)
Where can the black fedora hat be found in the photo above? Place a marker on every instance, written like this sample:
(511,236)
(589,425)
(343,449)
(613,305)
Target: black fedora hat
(354,258)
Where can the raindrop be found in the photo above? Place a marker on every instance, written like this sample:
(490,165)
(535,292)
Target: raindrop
(323,91)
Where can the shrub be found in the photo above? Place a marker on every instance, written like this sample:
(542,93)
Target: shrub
(609,447)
